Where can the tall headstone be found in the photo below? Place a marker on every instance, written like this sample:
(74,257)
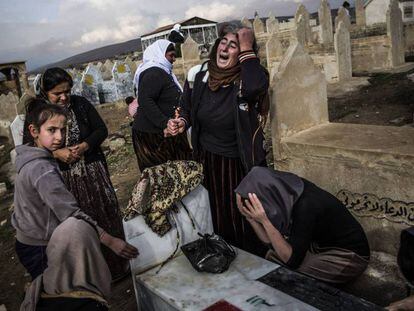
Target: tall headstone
(132,65)
(301,30)
(106,70)
(274,49)
(189,50)
(302,11)
(8,105)
(299,98)
(123,80)
(246,22)
(258,26)
(342,44)
(361,19)
(272,24)
(342,17)
(395,34)
(325,21)
(90,81)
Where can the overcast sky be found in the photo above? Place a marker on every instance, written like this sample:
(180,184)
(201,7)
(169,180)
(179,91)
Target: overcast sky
(44,31)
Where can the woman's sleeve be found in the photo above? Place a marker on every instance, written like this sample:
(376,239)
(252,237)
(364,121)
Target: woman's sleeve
(185,104)
(254,77)
(301,235)
(149,90)
(99,131)
(55,195)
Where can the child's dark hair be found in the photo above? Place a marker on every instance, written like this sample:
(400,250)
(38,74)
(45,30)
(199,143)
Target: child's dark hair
(38,111)
(170,48)
(129,100)
(53,77)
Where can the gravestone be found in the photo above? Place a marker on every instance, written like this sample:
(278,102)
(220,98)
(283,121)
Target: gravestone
(189,50)
(76,78)
(131,64)
(106,70)
(90,83)
(272,24)
(343,52)
(301,30)
(360,13)
(246,22)
(274,50)
(395,34)
(16,128)
(325,21)
(299,98)
(301,11)
(342,17)
(99,65)
(123,80)
(8,105)
(258,26)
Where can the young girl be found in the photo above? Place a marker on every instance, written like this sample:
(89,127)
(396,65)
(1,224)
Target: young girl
(41,200)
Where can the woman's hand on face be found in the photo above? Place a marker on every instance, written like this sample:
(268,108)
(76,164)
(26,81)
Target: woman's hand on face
(255,208)
(65,155)
(246,39)
(242,208)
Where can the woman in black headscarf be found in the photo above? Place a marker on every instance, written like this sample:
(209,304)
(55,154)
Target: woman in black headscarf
(307,228)
(224,105)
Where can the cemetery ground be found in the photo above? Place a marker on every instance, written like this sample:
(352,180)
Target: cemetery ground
(386,100)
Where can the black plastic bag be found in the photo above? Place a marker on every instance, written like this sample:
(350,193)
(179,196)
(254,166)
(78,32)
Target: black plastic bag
(210,253)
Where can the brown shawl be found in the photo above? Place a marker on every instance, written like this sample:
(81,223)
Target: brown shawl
(220,77)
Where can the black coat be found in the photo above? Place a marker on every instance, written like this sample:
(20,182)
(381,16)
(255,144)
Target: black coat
(250,139)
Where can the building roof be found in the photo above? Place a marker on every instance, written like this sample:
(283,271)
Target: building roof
(13,63)
(188,22)
(366,2)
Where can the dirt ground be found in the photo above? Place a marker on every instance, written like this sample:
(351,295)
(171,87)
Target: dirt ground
(387,100)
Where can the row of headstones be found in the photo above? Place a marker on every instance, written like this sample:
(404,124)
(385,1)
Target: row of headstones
(95,84)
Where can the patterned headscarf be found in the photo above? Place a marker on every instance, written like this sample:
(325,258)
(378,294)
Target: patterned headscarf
(159,188)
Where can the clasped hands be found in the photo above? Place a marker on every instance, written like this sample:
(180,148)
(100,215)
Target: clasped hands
(71,154)
(174,127)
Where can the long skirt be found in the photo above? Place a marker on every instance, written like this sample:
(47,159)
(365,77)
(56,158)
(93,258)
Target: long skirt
(154,149)
(221,176)
(92,188)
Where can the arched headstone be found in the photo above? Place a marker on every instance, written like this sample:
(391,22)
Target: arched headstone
(274,50)
(106,70)
(302,11)
(360,13)
(395,29)
(123,80)
(325,21)
(343,17)
(301,30)
(342,44)
(189,50)
(90,81)
(258,26)
(272,24)
(246,22)
(299,98)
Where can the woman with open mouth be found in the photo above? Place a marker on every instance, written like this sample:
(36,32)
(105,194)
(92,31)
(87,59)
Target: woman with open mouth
(224,102)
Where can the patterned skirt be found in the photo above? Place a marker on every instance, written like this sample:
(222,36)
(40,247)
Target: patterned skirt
(153,149)
(92,188)
(221,176)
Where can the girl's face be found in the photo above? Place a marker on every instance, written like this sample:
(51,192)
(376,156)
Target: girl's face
(60,94)
(228,51)
(51,133)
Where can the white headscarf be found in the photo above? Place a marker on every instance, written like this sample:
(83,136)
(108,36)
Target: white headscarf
(154,56)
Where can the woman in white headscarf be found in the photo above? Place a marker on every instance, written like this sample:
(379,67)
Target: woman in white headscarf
(159,93)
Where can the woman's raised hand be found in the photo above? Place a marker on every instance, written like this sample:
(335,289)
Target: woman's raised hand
(246,39)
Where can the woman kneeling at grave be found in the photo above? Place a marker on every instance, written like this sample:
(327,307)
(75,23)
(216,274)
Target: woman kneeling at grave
(307,228)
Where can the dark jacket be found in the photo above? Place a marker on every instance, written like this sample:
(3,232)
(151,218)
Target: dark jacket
(41,199)
(250,139)
(92,129)
(158,96)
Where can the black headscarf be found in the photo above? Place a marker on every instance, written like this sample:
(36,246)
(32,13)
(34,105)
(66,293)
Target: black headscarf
(277,191)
